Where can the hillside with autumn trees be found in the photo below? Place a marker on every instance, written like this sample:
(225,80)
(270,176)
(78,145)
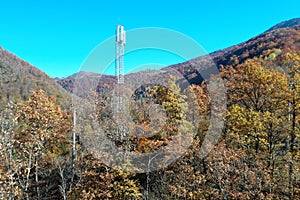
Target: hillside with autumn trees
(18,77)
(257,155)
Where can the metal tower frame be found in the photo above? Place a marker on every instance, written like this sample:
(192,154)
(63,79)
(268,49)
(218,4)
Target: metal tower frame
(119,110)
(120,44)
(119,70)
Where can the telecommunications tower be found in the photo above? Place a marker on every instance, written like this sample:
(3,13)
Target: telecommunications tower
(119,69)
(120,44)
(119,110)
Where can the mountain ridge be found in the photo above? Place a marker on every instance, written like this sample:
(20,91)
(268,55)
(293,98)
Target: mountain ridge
(280,38)
(18,77)
(222,57)
(285,24)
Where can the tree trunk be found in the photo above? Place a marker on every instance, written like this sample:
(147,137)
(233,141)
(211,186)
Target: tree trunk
(37,176)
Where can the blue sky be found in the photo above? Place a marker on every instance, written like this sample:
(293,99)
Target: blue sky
(57,36)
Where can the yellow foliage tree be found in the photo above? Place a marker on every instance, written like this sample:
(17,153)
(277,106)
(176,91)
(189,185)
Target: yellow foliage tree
(43,129)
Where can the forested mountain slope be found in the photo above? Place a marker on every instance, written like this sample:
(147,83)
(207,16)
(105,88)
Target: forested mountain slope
(18,77)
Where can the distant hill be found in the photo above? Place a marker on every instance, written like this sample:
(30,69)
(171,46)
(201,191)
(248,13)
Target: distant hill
(18,77)
(283,36)
(286,24)
(84,81)
(285,39)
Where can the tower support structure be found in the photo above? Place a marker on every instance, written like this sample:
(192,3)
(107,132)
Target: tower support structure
(120,45)
(119,107)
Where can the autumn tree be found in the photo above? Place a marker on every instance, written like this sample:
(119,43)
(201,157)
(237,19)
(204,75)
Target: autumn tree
(256,117)
(231,175)
(290,62)
(101,182)
(9,187)
(41,136)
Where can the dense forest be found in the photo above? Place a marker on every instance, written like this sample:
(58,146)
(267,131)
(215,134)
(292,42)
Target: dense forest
(256,157)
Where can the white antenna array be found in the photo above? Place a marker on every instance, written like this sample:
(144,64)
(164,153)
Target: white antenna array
(120,44)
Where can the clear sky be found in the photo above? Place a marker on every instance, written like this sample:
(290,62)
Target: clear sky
(57,36)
